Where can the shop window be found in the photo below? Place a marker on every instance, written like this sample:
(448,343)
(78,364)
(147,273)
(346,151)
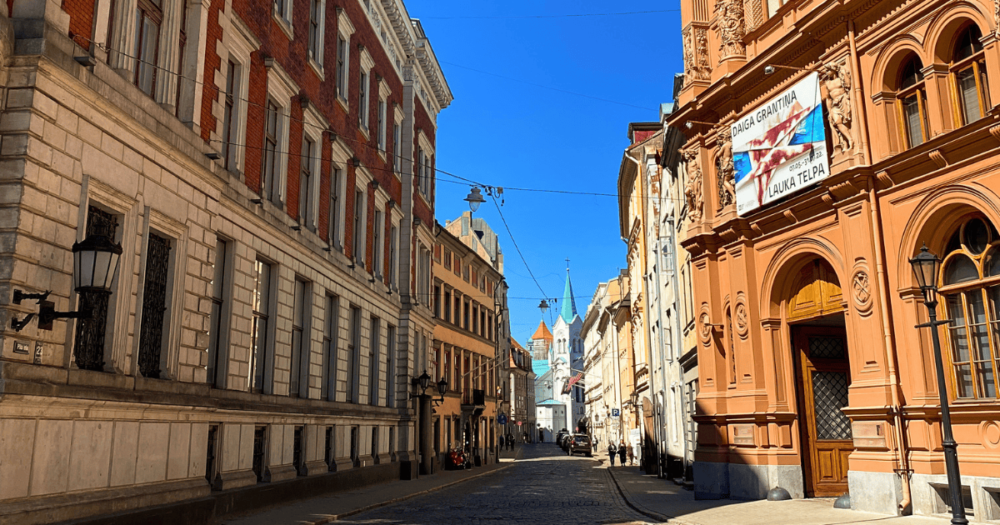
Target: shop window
(911,100)
(970,287)
(968,75)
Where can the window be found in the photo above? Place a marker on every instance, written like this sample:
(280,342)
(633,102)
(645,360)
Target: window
(374,346)
(393,256)
(148,17)
(307,213)
(355,443)
(297,450)
(217,331)
(419,169)
(397,148)
(377,242)
(363,101)
(336,233)
(155,298)
(271,168)
(259,451)
(342,54)
(359,228)
(968,71)
(259,343)
(229,114)
(283,15)
(424,275)
(911,101)
(380,130)
(447,306)
(300,337)
(353,355)
(375,445)
(437,301)
(317,12)
(329,454)
(970,288)
(390,368)
(90,333)
(330,336)
(211,453)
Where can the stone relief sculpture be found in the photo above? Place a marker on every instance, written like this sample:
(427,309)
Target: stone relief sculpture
(836,79)
(693,188)
(695,55)
(731,28)
(725,170)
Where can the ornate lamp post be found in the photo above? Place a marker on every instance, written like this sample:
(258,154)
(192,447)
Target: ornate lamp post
(925,269)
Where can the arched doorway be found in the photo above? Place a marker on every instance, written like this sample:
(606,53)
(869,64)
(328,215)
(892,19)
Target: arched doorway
(819,342)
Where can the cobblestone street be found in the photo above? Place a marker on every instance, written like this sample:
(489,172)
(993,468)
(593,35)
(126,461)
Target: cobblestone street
(546,487)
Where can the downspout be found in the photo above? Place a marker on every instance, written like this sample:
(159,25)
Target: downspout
(905,504)
(679,342)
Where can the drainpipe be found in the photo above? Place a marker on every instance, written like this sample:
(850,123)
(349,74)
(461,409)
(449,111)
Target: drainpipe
(679,342)
(890,353)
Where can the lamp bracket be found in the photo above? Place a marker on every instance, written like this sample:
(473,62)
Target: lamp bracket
(19,325)
(21,296)
(47,313)
(933,324)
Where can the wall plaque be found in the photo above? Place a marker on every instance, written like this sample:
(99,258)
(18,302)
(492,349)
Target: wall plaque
(868,434)
(743,434)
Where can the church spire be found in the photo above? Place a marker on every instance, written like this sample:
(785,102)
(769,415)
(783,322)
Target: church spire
(568,304)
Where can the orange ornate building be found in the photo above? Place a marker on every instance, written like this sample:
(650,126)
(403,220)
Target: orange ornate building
(826,142)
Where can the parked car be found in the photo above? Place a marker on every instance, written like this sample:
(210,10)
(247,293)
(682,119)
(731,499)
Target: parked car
(560,435)
(580,443)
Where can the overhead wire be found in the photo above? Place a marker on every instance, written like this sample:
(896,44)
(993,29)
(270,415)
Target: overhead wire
(564,15)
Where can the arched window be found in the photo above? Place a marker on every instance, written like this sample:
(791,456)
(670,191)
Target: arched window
(911,99)
(968,76)
(970,287)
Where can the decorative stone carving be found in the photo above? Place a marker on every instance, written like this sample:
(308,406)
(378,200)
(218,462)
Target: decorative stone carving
(862,289)
(742,320)
(725,170)
(731,28)
(836,80)
(696,65)
(693,188)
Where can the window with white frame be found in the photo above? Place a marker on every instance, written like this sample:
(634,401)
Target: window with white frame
(383,115)
(300,337)
(394,256)
(397,147)
(344,31)
(364,86)
(231,131)
(282,13)
(317,28)
(338,195)
(274,174)
(313,125)
(377,241)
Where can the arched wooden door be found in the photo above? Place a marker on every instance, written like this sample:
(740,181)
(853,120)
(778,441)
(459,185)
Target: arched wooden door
(823,376)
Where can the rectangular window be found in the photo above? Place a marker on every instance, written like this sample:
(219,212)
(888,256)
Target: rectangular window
(298,450)
(355,444)
(315,42)
(336,207)
(375,444)
(271,168)
(259,344)
(437,301)
(447,306)
(148,17)
(419,169)
(90,333)
(363,101)
(155,298)
(329,454)
(217,347)
(393,266)
(374,347)
(306,212)
(229,116)
(390,367)
(330,337)
(380,130)
(377,251)
(211,453)
(259,451)
(397,148)
(342,52)
(359,228)
(353,355)
(300,337)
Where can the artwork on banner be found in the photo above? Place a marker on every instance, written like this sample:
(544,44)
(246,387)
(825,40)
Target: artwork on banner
(780,148)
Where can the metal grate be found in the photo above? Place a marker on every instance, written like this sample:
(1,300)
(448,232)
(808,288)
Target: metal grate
(829,396)
(89,351)
(213,438)
(826,348)
(154,304)
(297,451)
(259,446)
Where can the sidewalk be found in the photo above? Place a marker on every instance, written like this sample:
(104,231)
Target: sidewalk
(336,506)
(670,503)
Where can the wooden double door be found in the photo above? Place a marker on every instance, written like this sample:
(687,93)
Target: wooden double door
(823,379)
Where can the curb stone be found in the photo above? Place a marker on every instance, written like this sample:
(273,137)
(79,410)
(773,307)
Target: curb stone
(337,517)
(642,510)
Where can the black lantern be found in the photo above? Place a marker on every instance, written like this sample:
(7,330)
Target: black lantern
(543,306)
(442,387)
(474,198)
(95,262)
(925,270)
(424,381)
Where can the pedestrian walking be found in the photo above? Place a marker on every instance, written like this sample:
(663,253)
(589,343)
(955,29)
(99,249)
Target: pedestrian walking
(503,442)
(629,453)
(621,453)
(510,441)
(612,451)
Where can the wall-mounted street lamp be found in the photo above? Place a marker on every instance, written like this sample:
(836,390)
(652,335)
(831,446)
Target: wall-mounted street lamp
(95,263)
(424,382)
(926,266)
(475,199)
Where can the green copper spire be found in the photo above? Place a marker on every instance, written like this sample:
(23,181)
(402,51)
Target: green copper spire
(569,304)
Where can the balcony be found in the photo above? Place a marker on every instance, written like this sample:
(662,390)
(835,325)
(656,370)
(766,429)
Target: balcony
(474,403)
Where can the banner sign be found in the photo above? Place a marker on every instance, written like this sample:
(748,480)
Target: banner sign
(780,148)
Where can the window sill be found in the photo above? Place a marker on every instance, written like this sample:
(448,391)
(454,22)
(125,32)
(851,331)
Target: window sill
(285,25)
(381,154)
(318,69)
(343,103)
(364,131)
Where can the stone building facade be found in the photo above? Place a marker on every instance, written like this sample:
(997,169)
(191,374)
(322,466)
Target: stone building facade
(270,181)
(812,376)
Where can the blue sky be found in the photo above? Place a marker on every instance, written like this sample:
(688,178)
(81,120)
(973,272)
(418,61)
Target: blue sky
(503,131)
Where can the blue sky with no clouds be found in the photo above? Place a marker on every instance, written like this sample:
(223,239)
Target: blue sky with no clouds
(504,129)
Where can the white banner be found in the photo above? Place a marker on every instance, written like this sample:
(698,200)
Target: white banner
(780,148)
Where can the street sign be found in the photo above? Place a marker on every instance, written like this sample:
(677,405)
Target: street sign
(518,423)
(502,419)
(614,412)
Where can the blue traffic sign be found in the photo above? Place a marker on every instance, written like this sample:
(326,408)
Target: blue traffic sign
(502,419)
(614,412)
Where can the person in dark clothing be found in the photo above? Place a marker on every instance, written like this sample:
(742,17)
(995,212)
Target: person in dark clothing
(510,441)
(622,451)
(503,442)
(611,452)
